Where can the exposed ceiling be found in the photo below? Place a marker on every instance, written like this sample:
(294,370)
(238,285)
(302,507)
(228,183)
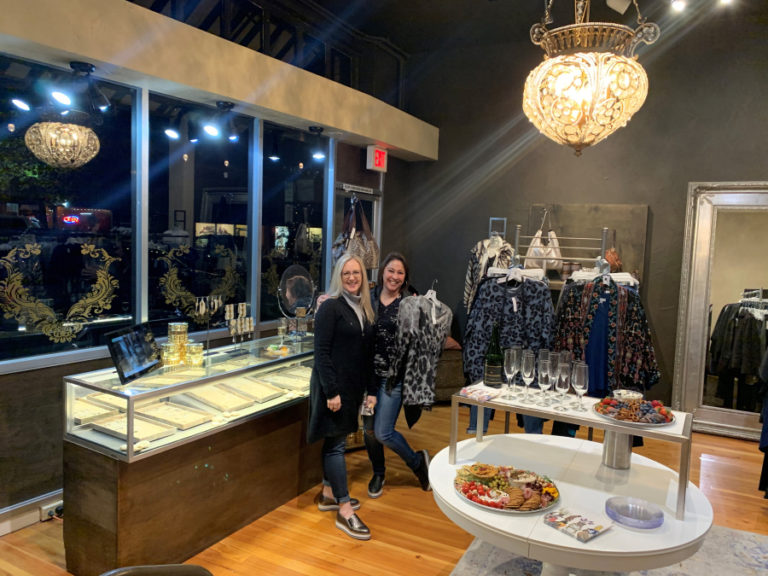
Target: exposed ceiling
(425,25)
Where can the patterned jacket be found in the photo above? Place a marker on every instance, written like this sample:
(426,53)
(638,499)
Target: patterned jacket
(525,315)
(631,360)
(422,327)
(486,253)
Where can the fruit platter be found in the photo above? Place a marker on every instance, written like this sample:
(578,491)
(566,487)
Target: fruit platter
(505,488)
(636,411)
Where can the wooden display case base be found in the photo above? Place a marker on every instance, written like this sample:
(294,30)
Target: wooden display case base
(168,507)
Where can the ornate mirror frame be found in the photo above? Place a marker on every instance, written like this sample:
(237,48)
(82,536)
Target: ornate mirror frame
(296,278)
(704,202)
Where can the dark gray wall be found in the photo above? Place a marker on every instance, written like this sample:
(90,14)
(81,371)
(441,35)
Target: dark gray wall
(705,119)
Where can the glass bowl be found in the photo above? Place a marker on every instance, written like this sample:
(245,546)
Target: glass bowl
(634,512)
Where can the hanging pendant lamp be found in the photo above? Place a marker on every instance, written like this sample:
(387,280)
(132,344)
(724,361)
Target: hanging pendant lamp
(590,83)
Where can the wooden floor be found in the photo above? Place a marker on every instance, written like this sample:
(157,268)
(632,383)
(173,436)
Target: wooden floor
(410,534)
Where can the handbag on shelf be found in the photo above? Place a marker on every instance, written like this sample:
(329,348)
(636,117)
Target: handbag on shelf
(554,261)
(546,256)
(534,256)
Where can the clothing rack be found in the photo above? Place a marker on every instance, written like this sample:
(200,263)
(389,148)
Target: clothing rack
(754,294)
(599,261)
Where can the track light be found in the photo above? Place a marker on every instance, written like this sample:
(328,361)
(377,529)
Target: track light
(20,104)
(91,99)
(274,152)
(61,97)
(223,122)
(173,126)
(193,132)
(317,149)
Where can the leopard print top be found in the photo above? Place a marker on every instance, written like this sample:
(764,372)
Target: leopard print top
(525,315)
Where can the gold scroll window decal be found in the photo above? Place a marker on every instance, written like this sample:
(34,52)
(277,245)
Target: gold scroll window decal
(17,302)
(176,294)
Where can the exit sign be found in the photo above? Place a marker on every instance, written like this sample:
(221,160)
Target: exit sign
(377,159)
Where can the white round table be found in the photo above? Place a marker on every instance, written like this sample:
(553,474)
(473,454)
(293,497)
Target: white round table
(585,484)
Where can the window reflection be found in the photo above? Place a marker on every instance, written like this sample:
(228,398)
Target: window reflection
(198,205)
(292,210)
(65,237)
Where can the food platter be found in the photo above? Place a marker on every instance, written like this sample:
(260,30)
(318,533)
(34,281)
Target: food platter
(277,351)
(505,489)
(629,412)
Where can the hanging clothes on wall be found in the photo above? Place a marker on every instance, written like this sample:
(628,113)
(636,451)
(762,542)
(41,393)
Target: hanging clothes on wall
(604,324)
(493,251)
(423,325)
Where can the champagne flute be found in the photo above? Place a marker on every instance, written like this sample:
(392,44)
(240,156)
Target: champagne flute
(580,382)
(511,368)
(528,371)
(544,381)
(563,382)
(554,371)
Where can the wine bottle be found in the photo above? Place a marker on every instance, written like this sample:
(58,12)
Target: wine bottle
(494,360)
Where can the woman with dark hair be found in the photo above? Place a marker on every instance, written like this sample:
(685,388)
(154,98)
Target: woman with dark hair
(342,375)
(380,427)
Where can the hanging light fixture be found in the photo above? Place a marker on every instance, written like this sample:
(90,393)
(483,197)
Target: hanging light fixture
(223,122)
(73,143)
(317,145)
(590,83)
(62,145)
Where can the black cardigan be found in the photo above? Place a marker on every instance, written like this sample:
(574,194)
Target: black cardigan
(343,366)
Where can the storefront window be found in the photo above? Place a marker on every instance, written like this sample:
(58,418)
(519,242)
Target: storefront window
(198,191)
(292,209)
(65,232)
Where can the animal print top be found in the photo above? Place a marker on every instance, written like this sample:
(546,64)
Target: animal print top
(525,315)
(486,253)
(422,329)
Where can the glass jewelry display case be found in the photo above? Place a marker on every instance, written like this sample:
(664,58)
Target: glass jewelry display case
(177,404)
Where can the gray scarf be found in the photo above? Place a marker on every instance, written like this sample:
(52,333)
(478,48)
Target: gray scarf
(354,301)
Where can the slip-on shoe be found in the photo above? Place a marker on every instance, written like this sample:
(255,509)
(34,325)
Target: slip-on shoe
(376,486)
(353,526)
(329,504)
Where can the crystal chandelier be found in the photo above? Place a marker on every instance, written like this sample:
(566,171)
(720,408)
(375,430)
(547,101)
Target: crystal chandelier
(62,145)
(590,83)
(74,143)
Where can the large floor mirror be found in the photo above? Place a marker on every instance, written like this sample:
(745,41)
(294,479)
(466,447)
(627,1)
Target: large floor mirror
(721,332)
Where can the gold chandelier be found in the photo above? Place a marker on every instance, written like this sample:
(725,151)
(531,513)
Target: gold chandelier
(590,83)
(62,145)
(73,143)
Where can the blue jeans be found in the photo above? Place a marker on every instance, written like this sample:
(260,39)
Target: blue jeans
(487,417)
(533,424)
(381,432)
(335,467)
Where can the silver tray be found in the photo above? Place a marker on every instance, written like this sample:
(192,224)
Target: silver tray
(509,510)
(506,510)
(632,423)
